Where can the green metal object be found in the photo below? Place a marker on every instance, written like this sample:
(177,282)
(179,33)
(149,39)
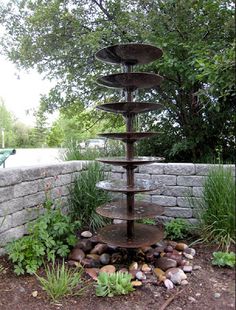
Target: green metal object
(4,154)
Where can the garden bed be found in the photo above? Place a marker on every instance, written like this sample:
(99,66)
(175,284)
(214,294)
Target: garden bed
(210,287)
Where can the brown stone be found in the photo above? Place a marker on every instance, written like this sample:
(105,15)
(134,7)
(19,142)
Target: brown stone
(136,283)
(172,243)
(159,273)
(116,258)
(94,257)
(108,269)
(145,268)
(181,246)
(168,248)
(133,266)
(85,245)
(165,263)
(99,248)
(92,272)
(76,255)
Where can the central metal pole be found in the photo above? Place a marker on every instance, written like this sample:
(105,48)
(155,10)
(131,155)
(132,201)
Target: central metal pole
(129,156)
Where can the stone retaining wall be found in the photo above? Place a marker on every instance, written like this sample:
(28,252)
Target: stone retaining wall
(23,191)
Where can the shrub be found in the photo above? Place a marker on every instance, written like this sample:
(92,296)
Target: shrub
(60,281)
(224,259)
(217,208)
(176,229)
(51,234)
(85,197)
(118,283)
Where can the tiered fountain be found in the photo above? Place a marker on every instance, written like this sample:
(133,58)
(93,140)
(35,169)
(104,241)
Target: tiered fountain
(130,234)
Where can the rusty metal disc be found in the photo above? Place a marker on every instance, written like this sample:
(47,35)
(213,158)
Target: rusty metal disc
(129,54)
(118,210)
(116,235)
(136,161)
(122,187)
(128,136)
(130,107)
(130,81)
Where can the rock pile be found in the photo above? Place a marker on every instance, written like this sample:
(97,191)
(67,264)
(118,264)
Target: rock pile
(165,262)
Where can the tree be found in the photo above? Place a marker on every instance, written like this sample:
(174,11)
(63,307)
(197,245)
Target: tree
(60,38)
(6,124)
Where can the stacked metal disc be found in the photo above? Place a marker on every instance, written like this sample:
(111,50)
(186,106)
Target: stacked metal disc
(130,234)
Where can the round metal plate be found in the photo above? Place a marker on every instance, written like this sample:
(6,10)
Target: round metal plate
(130,107)
(136,161)
(128,136)
(129,54)
(118,210)
(130,81)
(122,187)
(116,235)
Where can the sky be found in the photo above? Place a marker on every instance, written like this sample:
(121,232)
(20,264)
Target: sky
(20,91)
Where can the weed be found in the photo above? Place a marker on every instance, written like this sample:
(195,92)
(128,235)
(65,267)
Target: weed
(177,229)
(60,281)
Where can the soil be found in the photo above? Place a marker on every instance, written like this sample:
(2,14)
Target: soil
(200,293)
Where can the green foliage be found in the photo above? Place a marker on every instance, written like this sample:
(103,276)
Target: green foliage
(217,208)
(61,281)
(51,234)
(177,229)
(118,283)
(223,259)
(85,197)
(147,221)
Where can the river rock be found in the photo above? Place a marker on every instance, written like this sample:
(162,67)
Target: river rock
(123,270)
(145,268)
(105,258)
(108,269)
(190,251)
(94,257)
(76,255)
(92,272)
(159,273)
(168,248)
(99,248)
(116,258)
(150,255)
(140,276)
(160,249)
(88,262)
(136,283)
(188,268)
(188,256)
(177,258)
(197,267)
(176,275)
(172,243)
(184,282)
(168,284)
(85,245)
(133,266)
(165,263)
(181,246)
(73,263)
(86,234)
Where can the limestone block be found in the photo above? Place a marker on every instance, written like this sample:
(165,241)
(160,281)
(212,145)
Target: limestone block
(186,202)
(164,179)
(197,191)
(10,176)
(6,193)
(24,216)
(34,199)
(32,173)
(11,206)
(179,169)
(178,212)
(164,200)
(157,168)
(25,188)
(190,180)
(177,191)
(63,179)
(142,176)
(5,223)
(12,234)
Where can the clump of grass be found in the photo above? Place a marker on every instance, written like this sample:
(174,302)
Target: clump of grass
(217,208)
(60,281)
(85,197)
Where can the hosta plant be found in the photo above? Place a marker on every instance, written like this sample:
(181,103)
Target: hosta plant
(223,259)
(117,283)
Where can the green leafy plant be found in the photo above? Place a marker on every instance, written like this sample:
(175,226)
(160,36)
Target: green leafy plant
(223,259)
(217,208)
(176,229)
(147,221)
(85,197)
(117,283)
(51,234)
(60,281)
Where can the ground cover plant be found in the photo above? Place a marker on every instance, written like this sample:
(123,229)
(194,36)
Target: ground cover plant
(176,229)
(111,284)
(217,208)
(51,234)
(85,197)
(60,281)
(223,259)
